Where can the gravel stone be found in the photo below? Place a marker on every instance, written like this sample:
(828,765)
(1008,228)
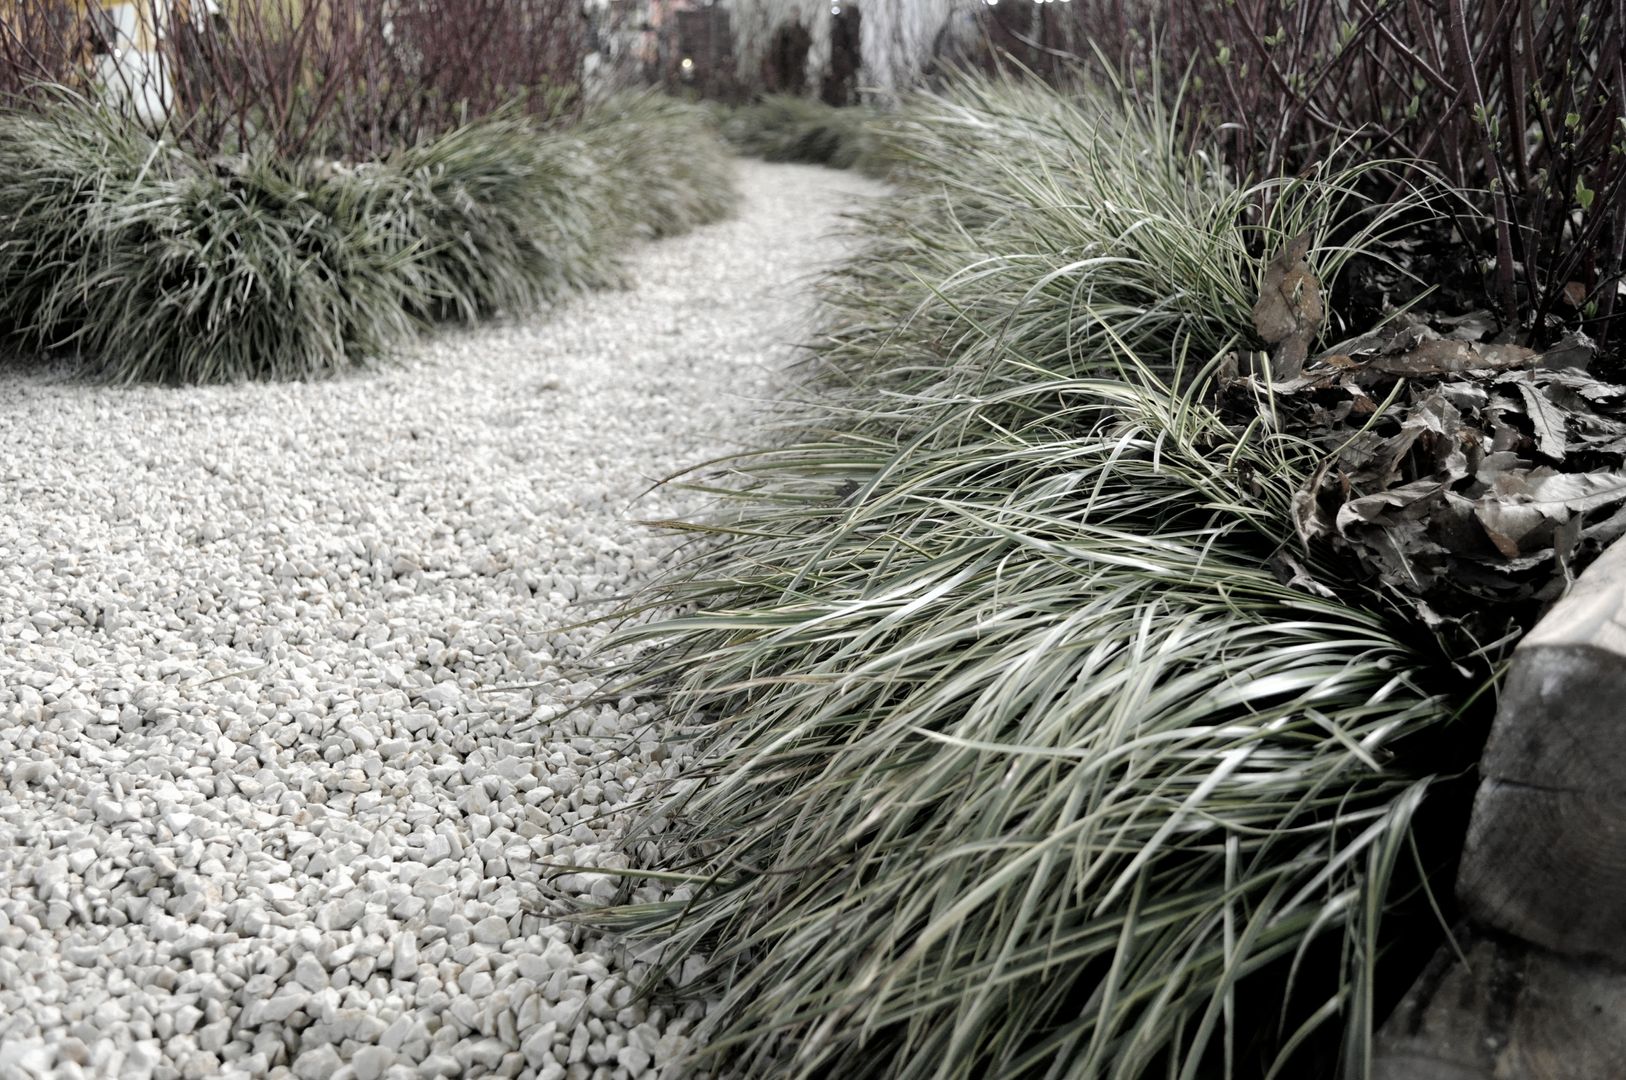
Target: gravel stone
(370,1062)
(491,930)
(290,733)
(317,1064)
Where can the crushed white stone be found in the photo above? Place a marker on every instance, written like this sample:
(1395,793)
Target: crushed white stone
(286,740)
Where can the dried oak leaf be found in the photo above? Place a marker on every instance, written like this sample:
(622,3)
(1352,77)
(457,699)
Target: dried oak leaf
(1384,508)
(1447,356)
(1474,326)
(1546,419)
(1573,350)
(1295,575)
(1524,508)
(1289,310)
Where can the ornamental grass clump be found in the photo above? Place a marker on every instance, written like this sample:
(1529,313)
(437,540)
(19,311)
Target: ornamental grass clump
(156,264)
(1021,760)
(503,218)
(1013,754)
(659,166)
(496,217)
(779,127)
(288,188)
(1058,226)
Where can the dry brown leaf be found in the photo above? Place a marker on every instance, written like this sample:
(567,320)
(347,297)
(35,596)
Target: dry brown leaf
(1559,494)
(1574,350)
(1447,356)
(1526,511)
(1455,500)
(1546,419)
(1372,509)
(1474,326)
(1289,310)
(1509,524)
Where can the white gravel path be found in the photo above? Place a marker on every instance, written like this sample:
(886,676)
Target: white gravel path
(265,807)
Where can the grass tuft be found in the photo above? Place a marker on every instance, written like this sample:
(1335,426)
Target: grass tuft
(660,165)
(780,127)
(1016,756)
(161,265)
(1024,759)
(493,217)
(1061,227)
(154,263)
